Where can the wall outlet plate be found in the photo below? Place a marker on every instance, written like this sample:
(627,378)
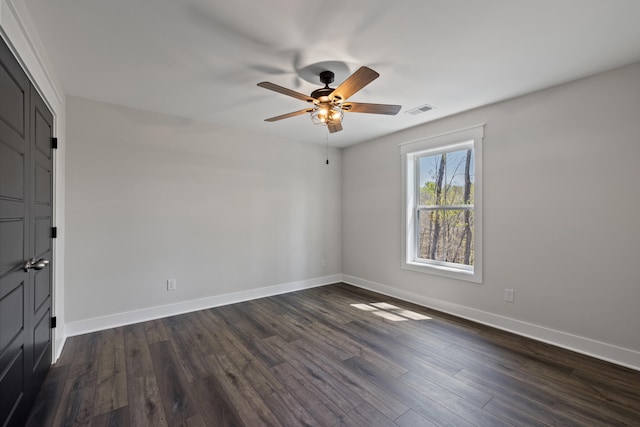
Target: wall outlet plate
(509,295)
(171,284)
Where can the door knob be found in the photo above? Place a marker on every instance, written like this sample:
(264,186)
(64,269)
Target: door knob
(36,265)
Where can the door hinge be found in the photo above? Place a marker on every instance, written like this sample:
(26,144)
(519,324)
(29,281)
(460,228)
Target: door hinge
(54,143)
(54,232)
(54,322)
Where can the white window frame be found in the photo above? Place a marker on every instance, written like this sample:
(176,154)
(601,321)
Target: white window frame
(410,152)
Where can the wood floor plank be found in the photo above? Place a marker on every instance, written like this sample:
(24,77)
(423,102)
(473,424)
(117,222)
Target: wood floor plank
(137,356)
(44,410)
(145,403)
(242,325)
(487,378)
(337,392)
(188,355)
(341,347)
(258,313)
(311,397)
(76,409)
(377,397)
(427,407)
(313,358)
(248,403)
(154,329)
(111,386)
(470,411)
(243,348)
(275,395)
(367,415)
(174,388)
(195,421)
(512,415)
(215,406)
(84,367)
(413,419)
(277,398)
(202,338)
(69,351)
(406,356)
(427,378)
(115,418)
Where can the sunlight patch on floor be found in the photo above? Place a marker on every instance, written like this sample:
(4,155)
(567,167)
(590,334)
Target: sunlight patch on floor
(390,311)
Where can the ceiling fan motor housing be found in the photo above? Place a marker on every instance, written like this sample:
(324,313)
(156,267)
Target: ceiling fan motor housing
(319,93)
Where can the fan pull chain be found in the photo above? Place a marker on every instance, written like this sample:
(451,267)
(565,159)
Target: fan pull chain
(327,146)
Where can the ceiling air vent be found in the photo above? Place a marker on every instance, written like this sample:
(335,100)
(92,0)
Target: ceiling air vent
(421,109)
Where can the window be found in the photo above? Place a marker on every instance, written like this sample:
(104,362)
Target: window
(442,199)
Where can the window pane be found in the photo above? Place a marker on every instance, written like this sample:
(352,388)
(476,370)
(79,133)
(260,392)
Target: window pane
(447,178)
(446,235)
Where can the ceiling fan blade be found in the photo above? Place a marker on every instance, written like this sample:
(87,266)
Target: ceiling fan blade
(286,116)
(356,81)
(363,107)
(285,91)
(334,127)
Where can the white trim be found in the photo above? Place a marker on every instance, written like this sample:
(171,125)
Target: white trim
(446,137)
(130,317)
(600,350)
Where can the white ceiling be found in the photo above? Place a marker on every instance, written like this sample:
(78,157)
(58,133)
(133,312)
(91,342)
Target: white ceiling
(201,59)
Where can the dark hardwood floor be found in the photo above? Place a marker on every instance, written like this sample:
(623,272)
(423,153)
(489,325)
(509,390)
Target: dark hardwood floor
(313,358)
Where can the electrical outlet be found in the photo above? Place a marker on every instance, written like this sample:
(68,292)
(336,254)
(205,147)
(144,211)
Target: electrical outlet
(509,295)
(171,284)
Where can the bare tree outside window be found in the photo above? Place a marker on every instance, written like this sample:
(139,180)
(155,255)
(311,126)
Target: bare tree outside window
(445,208)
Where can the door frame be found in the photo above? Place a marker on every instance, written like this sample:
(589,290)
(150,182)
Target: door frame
(19,33)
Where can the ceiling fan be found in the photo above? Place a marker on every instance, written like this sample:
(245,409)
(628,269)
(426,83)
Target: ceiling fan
(329,105)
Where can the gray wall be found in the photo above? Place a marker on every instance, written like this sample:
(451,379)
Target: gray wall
(561,209)
(153,197)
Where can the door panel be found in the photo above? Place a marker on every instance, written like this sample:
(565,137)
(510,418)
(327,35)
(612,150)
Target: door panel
(13,100)
(41,221)
(42,341)
(42,185)
(41,289)
(14,242)
(42,238)
(26,201)
(11,164)
(42,134)
(13,398)
(12,322)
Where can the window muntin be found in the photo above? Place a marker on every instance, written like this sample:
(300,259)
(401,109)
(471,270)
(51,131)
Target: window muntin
(442,190)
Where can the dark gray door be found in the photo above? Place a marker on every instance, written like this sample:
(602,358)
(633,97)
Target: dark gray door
(26,202)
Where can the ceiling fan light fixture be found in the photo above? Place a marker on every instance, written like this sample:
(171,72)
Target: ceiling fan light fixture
(328,103)
(324,115)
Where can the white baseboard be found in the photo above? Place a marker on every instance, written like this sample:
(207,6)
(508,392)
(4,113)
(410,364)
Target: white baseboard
(610,353)
(127,318)
(60,339)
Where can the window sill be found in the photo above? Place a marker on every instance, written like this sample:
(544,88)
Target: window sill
(445,271)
